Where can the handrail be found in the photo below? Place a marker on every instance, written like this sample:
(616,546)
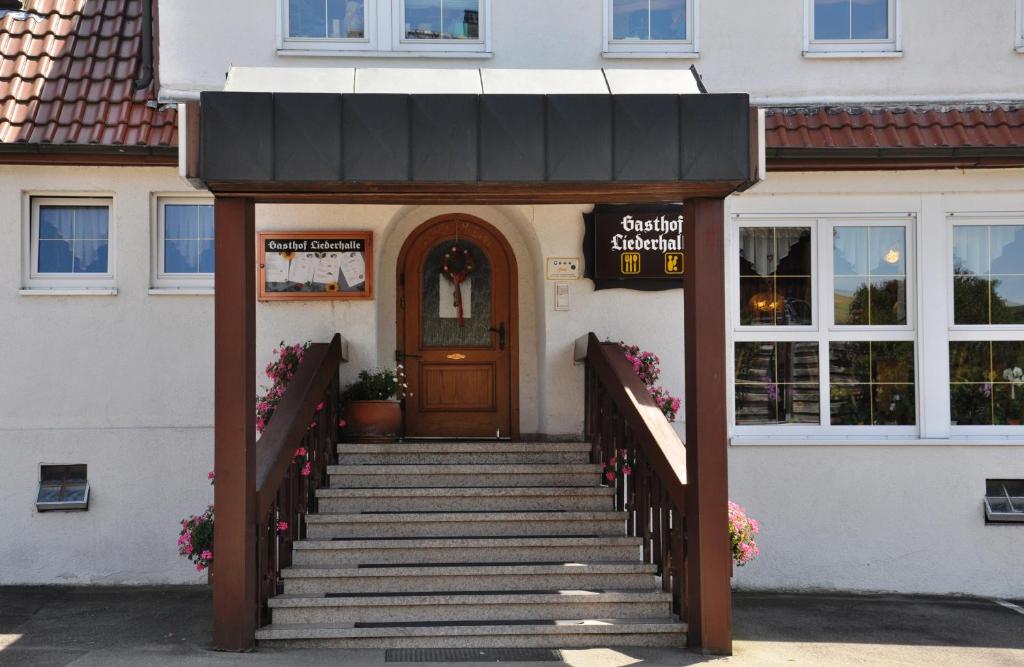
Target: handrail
(623,423)
(306,418)
(291,419)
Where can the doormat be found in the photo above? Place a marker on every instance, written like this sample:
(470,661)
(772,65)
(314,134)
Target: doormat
(472,655)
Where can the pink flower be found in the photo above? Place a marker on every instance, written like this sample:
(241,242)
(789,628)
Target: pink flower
(301,451)
(342,423)
(626,470)
(200,567)
(611,461)
(282,526)
(209,475)
(320,406)
(307,469)
(206,555)
(188,549)
(610,476)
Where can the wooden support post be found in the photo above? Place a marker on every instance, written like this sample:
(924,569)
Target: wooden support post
(709,562)
(235,600)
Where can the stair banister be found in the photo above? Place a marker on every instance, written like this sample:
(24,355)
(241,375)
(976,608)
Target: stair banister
(621,415)
(283,494)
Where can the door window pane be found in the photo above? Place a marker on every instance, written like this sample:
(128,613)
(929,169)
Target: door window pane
(988,274)
(649,20)
(439,313)
(442,19)
(851,19)
(986,383)
(73,239)
(777,383)
(871,383)
(869,274)
(188,238)
(775,276)
(334,19)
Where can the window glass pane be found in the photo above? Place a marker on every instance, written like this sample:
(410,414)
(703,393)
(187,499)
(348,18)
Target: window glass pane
(442,19)
(56,222)
(870,285)
(91,222)
(307,18)
(181,256)
(205,221)
(775,275)
(668,19)
(777,383)
(345,19)
(90,256)
(181,221)
(872,383)
(869,19)
(986,382)
(206,263)
(832,19)
(439,312)
(54,257)
(630,19)
(988,267)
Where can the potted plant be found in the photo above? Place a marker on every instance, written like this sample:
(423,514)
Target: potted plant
(372,406)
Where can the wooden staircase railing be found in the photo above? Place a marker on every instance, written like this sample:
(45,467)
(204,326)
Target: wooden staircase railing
(283,493)
(622,417)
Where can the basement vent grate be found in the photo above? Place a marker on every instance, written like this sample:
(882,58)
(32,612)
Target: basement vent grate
(448,655)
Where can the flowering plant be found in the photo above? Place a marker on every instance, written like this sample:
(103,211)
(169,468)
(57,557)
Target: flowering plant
(195,541)
(280,371)
(619,462)
(647,367)
(742,530)
(379,385)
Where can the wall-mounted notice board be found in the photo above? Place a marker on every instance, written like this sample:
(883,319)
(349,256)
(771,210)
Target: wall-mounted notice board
(315,265)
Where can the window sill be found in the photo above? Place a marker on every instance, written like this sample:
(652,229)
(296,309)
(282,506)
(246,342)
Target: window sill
(68,291)
(651,55)
(1019,49)
(877,441)
(851,55)
(338,53)
(181,291)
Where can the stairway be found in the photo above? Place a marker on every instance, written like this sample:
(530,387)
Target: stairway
(468,545)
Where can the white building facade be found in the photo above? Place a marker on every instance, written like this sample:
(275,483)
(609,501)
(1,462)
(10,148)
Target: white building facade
(866,466)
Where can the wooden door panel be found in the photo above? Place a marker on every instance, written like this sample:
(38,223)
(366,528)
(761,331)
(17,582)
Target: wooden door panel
(461,374)
(457,387)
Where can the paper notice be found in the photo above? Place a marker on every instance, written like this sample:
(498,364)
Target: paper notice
(327,270)
(303,267)
(448,309)
(353,267)
(276,268)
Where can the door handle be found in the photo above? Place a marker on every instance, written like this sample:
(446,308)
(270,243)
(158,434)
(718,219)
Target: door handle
(501,335)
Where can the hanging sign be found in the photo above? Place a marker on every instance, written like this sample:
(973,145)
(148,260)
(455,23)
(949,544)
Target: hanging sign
(634,247)
(315,265)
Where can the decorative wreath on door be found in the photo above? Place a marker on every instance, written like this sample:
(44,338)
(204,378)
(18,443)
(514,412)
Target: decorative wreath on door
(458,264)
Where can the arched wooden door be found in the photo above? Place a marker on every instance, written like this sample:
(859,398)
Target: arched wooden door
(462,375)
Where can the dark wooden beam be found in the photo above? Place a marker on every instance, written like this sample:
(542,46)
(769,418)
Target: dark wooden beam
(709,560)
(407,192)
(235,601)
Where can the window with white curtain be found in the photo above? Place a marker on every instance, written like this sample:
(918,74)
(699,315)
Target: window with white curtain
(183,252)
(851,26)
(69,243)
(650,27)
(824,333)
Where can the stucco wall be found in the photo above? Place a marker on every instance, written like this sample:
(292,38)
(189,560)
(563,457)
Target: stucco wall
(950,47)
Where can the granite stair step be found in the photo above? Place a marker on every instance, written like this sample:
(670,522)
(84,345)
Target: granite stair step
(469,475)
(484,452)
(495,498)
(457,524)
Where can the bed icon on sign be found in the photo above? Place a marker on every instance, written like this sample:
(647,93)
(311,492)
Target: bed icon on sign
(674,263)
(630,263)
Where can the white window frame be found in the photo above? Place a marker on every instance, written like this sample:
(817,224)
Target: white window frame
(664,48)
(854,48)
(328,44)
(977,332)
(823,330)
(384,27)
(66,283)
(1019,28)
(173,283)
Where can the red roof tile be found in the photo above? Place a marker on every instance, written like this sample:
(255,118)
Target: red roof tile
(835,129)
(66,71)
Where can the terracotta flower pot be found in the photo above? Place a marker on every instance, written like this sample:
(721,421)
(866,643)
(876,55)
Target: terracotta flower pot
(376,420)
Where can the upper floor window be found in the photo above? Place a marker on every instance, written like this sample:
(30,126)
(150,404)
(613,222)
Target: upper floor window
(852,27)
(1020,26)
(650,27)
(183,252)
(437,26)
(69,241)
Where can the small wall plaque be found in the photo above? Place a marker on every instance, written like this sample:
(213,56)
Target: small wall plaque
(563,268)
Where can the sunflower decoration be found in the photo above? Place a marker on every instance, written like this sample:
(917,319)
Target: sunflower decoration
(458,264)
(287,255)
(331,287)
